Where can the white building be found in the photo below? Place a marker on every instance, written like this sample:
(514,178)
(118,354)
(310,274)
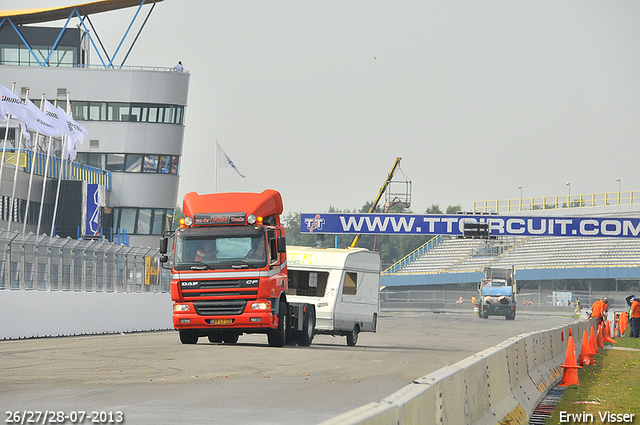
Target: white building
(135,117)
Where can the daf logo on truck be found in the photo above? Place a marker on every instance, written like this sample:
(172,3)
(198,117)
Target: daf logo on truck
(190,283)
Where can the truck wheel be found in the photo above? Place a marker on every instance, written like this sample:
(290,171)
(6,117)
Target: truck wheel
(352,337)
(309,328)
(188,337)
(277,337)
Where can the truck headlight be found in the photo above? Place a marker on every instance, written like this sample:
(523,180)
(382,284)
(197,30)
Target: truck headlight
(261,306)
(181,307)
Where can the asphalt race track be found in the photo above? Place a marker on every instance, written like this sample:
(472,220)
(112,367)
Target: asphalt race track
(153,379)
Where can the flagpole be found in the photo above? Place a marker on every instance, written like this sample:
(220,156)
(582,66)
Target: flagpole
(15,174)
(64,148)
(33,160)
(44,178)
(6,133)
(215,169)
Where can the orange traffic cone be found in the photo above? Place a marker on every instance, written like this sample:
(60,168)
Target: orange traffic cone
(600,337)
(607,334)
(570,374)
(586,356)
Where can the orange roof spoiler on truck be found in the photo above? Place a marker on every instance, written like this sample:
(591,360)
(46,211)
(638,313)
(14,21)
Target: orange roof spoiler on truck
(265,204)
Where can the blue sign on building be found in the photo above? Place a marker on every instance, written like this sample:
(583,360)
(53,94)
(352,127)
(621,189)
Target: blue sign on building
(441,224)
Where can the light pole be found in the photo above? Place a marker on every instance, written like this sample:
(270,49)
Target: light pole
(520,187)
(569,197)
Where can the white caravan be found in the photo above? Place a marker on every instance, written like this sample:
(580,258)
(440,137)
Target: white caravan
(344,285)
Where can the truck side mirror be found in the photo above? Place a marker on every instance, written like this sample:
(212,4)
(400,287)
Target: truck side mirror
(164,259)
(282,244)
(163,245)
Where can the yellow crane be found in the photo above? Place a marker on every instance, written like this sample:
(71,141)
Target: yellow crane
(382,190)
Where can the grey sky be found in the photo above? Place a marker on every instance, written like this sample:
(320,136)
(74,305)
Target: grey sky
(317,98)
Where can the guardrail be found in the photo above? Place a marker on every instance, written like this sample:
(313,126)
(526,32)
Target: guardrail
(52,287)
(69,169)
(502,384)
(555,202)
(413,255)
(44,263)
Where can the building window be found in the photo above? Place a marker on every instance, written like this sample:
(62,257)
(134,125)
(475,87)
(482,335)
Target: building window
(131,163)
(115,162)
(150,164)
(142,221)
(158,221)
(127,112)
(128,219)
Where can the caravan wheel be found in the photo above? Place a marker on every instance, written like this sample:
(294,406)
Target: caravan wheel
(306,336)
(352,337)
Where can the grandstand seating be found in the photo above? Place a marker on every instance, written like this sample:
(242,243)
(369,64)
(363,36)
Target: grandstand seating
(466,255)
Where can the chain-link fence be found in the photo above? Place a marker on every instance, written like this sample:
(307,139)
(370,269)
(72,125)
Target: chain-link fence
(43,263)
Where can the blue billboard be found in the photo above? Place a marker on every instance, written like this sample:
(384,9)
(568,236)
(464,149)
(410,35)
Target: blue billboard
(441,224)
(95,200)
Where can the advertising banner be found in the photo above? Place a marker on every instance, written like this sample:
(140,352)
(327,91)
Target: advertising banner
(442,224)
(95,200)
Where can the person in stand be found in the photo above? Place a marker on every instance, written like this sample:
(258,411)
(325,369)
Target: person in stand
(460,300)
(207,253)
(634,316)
(179,67)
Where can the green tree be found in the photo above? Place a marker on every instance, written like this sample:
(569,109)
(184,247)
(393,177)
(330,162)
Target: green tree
(454,209)
(433,209)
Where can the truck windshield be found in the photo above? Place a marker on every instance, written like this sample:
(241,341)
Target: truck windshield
(218,252)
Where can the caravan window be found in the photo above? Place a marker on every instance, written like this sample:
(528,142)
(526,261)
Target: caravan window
(307,283)
(350,283)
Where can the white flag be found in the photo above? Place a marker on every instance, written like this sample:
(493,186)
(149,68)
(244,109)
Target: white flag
(76,129)
(10,103)
(56,118)
(3,117)
(225,161)
(36,120)
(77,133)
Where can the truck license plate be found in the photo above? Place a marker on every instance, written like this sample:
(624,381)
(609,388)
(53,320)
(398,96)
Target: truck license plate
(220,321)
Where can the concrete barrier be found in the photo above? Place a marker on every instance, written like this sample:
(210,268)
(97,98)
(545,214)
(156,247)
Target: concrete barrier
(502,384)
(27,314)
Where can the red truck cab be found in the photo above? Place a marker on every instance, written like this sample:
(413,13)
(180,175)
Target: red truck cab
(230,268)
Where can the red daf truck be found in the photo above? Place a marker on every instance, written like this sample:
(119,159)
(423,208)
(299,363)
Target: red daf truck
(230,271)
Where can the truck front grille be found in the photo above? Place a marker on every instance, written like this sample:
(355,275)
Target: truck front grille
(220,308)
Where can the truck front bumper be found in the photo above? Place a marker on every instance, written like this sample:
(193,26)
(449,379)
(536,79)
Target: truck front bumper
(185,317)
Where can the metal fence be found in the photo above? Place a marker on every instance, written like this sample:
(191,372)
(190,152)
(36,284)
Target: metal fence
(44,263)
